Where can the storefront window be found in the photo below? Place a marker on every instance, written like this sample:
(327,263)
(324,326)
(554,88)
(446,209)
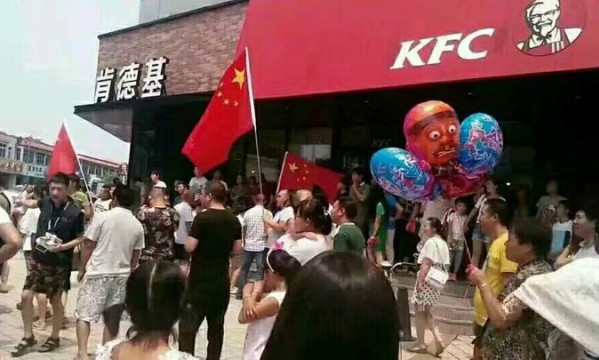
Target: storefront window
(313,144)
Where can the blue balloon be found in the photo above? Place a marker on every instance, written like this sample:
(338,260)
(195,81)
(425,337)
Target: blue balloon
(399,172)
(481,144)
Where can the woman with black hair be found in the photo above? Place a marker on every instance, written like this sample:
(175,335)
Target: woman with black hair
(281,269)
(434,254)
(377,241)
(153,300)
(311,227)
(340,306)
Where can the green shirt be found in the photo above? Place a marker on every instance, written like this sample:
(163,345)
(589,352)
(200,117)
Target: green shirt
(349,238)
(380,211)
(80,199)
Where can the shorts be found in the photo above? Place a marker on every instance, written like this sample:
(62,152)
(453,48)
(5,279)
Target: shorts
(478,235)
(478,332)
(46,279)
(97,294)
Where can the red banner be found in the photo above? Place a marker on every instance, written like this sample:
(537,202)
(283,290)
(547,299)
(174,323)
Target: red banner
(334,46)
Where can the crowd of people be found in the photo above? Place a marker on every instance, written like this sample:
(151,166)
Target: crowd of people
(289,255)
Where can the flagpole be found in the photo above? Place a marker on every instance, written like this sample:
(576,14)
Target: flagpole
(80,166)
(253,113)
(281,173)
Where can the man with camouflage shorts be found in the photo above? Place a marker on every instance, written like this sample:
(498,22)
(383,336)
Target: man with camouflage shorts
(50,266)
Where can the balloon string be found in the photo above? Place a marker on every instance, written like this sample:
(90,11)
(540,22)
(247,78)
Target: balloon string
(465,296)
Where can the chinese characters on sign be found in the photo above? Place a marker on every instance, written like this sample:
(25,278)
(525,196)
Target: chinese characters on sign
(127,83)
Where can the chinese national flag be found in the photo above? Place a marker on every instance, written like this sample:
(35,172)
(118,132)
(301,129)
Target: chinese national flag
(64,159)
(298,173)
(227,117)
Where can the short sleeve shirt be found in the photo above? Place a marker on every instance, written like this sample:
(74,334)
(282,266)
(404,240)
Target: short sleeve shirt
(495,265)
(349,237)
(117,233)
(216,231)
(64,221)
(4,218)
(436,250)
(281,217)
(160,225)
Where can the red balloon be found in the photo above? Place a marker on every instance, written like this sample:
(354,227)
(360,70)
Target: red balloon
(460,183)
(432,132)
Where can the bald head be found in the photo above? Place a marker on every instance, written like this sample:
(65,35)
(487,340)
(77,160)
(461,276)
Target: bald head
(302,194)
(157,197)
(188,196)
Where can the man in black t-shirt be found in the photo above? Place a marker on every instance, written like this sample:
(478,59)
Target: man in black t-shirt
(50,269)
(215,235)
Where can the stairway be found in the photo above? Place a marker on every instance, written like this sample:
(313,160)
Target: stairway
(453,313)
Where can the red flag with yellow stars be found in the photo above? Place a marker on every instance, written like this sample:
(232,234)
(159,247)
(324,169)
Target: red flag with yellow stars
(298,173)
(229,115)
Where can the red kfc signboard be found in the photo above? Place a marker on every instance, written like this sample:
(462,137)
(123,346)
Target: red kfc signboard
(333,46)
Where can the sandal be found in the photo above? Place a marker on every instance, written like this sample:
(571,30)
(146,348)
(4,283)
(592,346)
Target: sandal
(417,349)
(50,345)
(23,346)
(438,350)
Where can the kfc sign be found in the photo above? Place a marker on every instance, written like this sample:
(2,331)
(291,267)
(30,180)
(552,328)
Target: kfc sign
(411,52)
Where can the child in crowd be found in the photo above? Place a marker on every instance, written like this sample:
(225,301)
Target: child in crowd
(281,269)
(456,226)
(562,229)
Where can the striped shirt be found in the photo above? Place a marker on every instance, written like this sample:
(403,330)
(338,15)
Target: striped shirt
(255,231)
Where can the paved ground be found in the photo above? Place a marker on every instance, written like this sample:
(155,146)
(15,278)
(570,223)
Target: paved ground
(11,329)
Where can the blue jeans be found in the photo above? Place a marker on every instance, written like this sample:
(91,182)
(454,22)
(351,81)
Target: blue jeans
(455,256)
(248,258)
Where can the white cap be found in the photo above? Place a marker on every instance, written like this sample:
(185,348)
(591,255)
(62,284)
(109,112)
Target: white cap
(160,184)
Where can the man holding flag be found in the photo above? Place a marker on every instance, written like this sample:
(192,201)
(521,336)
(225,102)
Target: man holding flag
(215,232)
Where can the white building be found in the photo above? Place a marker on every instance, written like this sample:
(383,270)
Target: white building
(10,165)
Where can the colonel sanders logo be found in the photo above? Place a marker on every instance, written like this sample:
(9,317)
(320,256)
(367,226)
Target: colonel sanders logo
(548,32)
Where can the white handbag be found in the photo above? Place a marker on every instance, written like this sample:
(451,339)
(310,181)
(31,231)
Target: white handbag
(436,278)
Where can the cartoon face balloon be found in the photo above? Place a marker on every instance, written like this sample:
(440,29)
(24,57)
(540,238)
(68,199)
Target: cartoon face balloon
(432,130)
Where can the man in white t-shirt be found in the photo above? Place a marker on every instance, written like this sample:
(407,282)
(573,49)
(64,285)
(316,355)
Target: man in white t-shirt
(156,182)
(104,200)
(278,226)
(186,215)
(197,183)
(585,244)
(111,250)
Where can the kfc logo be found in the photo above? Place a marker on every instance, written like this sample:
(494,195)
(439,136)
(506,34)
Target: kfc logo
(414,52)
(551,29)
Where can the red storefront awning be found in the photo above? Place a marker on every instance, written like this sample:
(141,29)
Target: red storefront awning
(301,47)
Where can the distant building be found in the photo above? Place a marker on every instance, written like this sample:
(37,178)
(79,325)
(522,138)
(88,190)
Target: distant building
(25,160)
(10,166)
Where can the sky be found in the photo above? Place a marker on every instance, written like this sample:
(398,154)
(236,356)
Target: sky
(48,58)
